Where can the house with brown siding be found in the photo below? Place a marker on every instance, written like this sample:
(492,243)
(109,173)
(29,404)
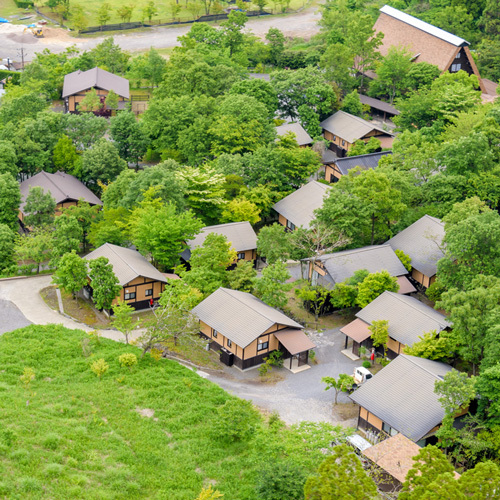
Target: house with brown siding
(240,234)
(343,130)
(401,398)
(64,188)
(341,166)
(332,268)
(408,318)
(426,42)
(297,209)
(79,83)
(245,330)
(139,279)
(423,243)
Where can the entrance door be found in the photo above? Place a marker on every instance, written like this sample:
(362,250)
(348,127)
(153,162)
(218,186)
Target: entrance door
(303,357)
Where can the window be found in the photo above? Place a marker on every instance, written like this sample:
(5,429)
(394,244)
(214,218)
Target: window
(229,343)
(129,296)
(334,138)
(458,55)
(290,225)
(214,333)
(262,346)
(456,67)
(241,255)
(343,142)
(149,292)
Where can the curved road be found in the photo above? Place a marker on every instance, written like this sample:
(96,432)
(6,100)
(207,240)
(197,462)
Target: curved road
(302,24)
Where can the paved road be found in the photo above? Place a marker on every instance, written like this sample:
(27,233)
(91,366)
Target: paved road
(11,318)
(25,294)
(302,24)
(299,396)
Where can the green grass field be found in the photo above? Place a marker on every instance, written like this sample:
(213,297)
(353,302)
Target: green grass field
(69,435)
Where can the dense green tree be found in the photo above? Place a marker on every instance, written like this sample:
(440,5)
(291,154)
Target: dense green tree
(421,75)
(352,104)
(101,163)
(209,263)
(259,89)
(481,482)
(110,227)
(91,102)
(104,13)
(279,480)
(374,285)
(340,475)
(10,199)
(273,243)
(8,158)
(150,67)
(67,236)
(17,106)
(109,55)
(122,318)
(241,210)
(272,286)
(85,214)
(39,207)
(343,383)
(276,42)
(71,273)
(433,345)
(232,29)
(488,386)
(242,277)
(380,333)
(105,285)
(33,249)
(85,129)
(7,245)
(128,137)
(66,158)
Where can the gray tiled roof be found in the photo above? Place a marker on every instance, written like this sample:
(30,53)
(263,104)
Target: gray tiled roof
(364,161)
(299,206)
(408,318)
(402,395)
(301,136)
(96,77)
(422,242)
(61,186)
(378,104)
(127,264)
(349,127)
(240,234)
(239,316)
(342,265)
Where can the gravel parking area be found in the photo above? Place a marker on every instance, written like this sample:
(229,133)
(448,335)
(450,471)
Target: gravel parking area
(11,318)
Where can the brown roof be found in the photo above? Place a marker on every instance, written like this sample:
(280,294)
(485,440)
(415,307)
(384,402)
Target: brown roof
(426,42)
(394,455)
(295,341)
(405,286)
(357,330)
(96,77)
(60,185)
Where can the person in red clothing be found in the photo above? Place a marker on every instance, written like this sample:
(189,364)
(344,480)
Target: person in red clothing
(372,356)
(151,302)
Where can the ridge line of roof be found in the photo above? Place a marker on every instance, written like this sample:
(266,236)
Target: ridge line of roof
(401,299)
(49,178)
(363,156)
(356,250)
(410,359)
(366,122)
(111,247)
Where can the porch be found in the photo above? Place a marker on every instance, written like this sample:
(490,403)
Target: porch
(295,346)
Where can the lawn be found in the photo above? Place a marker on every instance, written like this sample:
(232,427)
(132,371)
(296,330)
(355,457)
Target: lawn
(144,433)
(9,8)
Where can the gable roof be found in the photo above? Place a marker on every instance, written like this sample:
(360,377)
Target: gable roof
(61,187)
(366,162)
(240,234)
(301,136)
(408,318)
(402,395)
(96,77)
(127,264)
(239,316)
(299,206)
(342,265)
(422,242)
(349,127)
(426,42)
(378,104)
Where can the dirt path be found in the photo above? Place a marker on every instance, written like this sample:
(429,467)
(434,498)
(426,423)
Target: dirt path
(302,24)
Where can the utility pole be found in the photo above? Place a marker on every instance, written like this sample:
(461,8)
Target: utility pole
(21,53)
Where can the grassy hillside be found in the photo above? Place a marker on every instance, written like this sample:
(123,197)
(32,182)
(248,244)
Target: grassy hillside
(70,435)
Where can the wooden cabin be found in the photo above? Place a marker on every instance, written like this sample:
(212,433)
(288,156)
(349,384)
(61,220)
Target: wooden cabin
(79,83)
(245,330)
(341,166)
(139,279)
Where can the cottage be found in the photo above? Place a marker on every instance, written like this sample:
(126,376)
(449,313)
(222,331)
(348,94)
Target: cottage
(426,42)
(240,234)
(297,209)
(77,84)
(139,279)
(301,136)
(64,188)
(341,166)
(423,243)
(408,320)
(245,330)
(401,398)
(330,269)
(343,130)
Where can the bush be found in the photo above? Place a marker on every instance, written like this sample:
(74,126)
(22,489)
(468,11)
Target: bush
(99,367)
(280,481)
(236,421)
(127,360)
(366,364)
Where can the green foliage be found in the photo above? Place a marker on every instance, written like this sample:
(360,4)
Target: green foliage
(99,367)
(343,383)
(380,333)
(433,345)
(241,210)
(10,199)
(71,273)
(341,475)
(488,386)
(273,243)
(374,285)
(314,297)
(111,100)
(127,360)
(104,283)
(27,377)
(236,420)
(435,291)
(65,157)
(352,104)
(7,244)
(8,158)
(122,318)
(272,286)
(242,277)
(85,214)
(404,258)
(91,101)
(128,136)
(280,480)
(366,364)
(209,494)
(109,228)
(33,249)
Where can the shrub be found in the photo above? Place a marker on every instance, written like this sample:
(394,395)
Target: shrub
(127,360)
(99,367)
(236,421)
(275,359)
(27,377)
(281,480)
(366,364)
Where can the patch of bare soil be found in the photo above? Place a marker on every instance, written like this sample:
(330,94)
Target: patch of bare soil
(57,34)
(346,411)
(145,412)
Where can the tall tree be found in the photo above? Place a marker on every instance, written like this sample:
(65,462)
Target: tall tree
(129,137)
(67,236)
(104,283)
(7,245)
(375,284)
(272,286)
(71,273)
(39,207)
(122,318)
(85,214)
(10,199)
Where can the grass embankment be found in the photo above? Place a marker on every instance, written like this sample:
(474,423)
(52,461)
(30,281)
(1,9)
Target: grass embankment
(144,433)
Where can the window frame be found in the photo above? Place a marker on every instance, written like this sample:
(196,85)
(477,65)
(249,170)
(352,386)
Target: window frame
(132,295)
(229,343)
(262,345)
(241,255)
(214,333)
(290,225)
(149,292)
